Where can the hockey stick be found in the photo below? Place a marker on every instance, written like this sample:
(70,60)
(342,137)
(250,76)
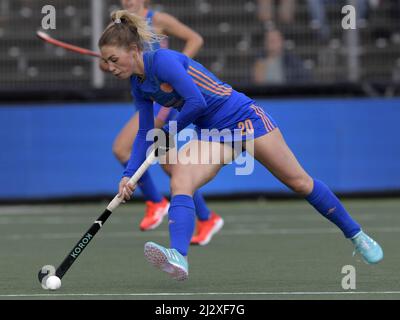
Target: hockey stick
(45,272)
(45,37)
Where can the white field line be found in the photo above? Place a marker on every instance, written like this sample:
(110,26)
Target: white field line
(40,210)
(65,218)
(268,207)
(226,232)
(296,293)
(56,220)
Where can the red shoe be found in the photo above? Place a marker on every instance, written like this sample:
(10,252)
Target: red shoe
(206,229)
(155,212)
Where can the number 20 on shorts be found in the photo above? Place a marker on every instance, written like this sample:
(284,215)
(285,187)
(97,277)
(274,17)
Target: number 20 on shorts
(246,127)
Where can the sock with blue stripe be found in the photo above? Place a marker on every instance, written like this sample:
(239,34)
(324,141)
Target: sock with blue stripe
(202,211)
(148,188)
(181,217)
(326,203)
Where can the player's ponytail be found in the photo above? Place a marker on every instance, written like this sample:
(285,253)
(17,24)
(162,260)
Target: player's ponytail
(128,29)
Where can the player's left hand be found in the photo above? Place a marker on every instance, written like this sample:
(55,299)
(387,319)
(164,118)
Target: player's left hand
(125,189)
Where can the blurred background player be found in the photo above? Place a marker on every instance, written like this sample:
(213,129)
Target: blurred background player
(211,104)
(271,10)
(277,65)
(208,221)
(317,9)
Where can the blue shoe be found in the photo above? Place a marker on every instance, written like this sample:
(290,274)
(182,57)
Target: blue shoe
(168,260)
(369,249)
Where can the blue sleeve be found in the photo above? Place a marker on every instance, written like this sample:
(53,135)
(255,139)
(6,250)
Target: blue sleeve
(168,68)
(140,145)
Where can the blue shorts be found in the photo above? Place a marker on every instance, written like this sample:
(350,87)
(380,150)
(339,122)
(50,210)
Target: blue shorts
(237,119)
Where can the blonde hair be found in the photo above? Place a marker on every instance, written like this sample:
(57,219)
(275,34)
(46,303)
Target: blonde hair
(127,29)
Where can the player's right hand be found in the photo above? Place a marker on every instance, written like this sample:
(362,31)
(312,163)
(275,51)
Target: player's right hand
(125,189)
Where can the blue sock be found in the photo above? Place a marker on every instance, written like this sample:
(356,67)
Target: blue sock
(149,190)
(181,217)
(326,203)
(202,211)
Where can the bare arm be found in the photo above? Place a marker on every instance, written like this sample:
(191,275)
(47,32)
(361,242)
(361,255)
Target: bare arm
(158,123)
(173,27)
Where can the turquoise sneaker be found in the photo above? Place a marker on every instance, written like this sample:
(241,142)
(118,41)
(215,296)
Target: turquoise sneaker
(369,249)
(168,260)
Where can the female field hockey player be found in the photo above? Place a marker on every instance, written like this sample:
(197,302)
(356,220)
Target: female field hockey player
(208,222)
(174,80)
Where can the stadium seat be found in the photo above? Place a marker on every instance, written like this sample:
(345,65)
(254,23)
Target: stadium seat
(233,38)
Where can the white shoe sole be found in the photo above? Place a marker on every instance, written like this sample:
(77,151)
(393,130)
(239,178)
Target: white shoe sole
(158,259)
(218,226)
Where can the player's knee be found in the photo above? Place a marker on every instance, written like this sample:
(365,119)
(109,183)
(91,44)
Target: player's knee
(301,185)
(181,185)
